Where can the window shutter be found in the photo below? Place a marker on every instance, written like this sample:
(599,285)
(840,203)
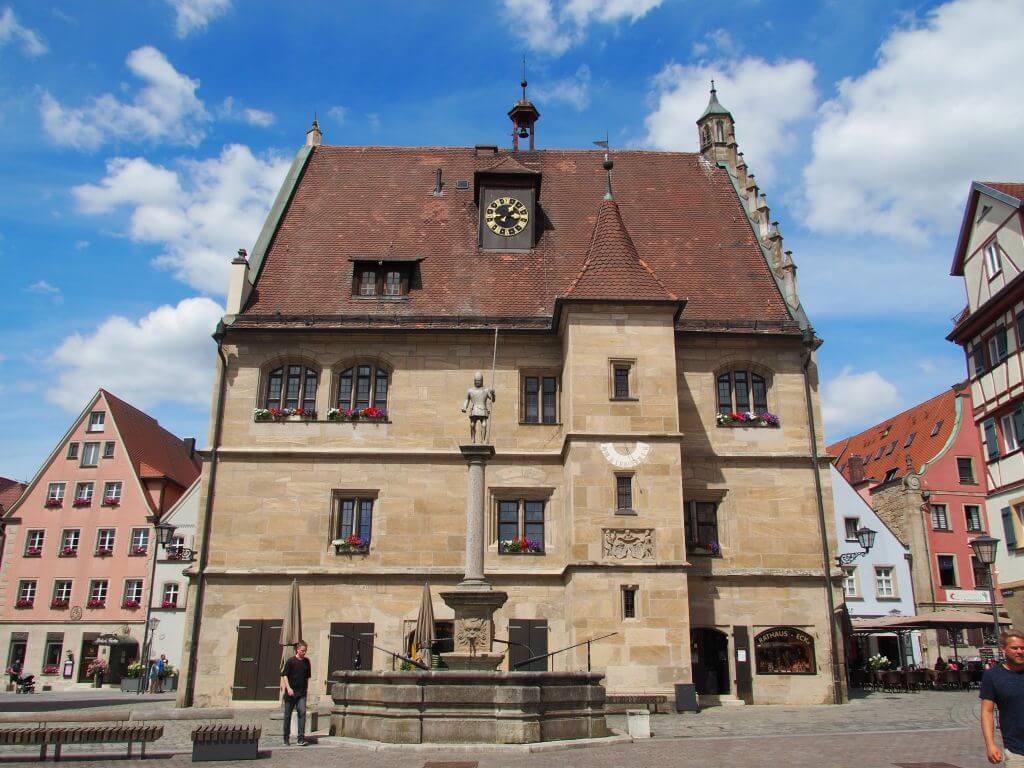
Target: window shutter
(1011,537)
(991,443)
(1018,423)
(979,359)
(1001,342)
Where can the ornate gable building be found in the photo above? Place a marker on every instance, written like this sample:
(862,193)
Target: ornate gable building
(659,477)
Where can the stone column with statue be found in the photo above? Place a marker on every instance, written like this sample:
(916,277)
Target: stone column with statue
(473,600)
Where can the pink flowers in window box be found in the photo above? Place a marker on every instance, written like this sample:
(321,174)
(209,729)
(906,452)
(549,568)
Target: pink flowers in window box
(34,552)
(53,501)
(95,602)
(51,669)
(112,501)
(59,602)
(351,544)
(82,503)
(69,552)
(280,414)
(357,414)
(169,604)
(139,551)
(131,605)
(104,552)
(520,546)
(23,602)
(747,419)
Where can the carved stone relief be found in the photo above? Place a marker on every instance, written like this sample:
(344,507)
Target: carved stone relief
(623,543)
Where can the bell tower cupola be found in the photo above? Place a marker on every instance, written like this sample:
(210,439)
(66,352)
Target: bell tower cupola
(715,131)
(524,116)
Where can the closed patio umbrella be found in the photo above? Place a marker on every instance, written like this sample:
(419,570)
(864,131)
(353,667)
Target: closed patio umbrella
(424,637)
(291,632)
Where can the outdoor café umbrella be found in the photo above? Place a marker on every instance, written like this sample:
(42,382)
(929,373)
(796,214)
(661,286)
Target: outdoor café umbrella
(291,632)
(424,637)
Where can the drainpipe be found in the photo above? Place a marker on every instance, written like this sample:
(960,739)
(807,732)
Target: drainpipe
(826,559)
(204,547)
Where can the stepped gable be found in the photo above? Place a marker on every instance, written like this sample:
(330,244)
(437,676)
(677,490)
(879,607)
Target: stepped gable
(890,437)
(154,451)
(683,215)
(613,269)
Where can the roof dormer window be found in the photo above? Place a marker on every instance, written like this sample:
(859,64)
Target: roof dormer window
(382,279)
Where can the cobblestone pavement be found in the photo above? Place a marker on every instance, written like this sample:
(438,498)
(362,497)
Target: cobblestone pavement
(877,731)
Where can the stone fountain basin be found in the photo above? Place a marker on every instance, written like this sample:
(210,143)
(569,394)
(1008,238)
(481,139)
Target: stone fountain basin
(467,706)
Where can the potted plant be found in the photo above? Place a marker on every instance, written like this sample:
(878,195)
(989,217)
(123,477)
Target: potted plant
(23,602)
(351,544)
(104,552)
(132,682)
(51,669)
(81,503)
(131,605)
(520,546)
(54,501)
(167,604)
(96,603)
(262,414)
(139,551)
(59,602)
(69,551)
(34,552)
(878,662)
(169,680)
(747,419)
(97,670)
(111,501)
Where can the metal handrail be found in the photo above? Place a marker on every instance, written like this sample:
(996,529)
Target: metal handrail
(567,648)
(391,653)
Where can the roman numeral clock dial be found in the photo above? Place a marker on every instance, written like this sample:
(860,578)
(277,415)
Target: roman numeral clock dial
(506,216)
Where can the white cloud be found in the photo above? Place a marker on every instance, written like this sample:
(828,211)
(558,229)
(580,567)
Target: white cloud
(81,245)
(854,399)
(574,90)
(165,109)
(373,119)
(720,41)
(165,357)
(199,214)
(44,288)
(194,15)
(765,98)
(338,114)
(547,30)
(259,117)
(11,31)
(895,151)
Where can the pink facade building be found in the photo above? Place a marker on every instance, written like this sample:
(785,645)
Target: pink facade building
(923,472)
(79,542)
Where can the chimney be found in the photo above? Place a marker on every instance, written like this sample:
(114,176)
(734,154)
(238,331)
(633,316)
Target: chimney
(238,286)
(190,446)
(855,469)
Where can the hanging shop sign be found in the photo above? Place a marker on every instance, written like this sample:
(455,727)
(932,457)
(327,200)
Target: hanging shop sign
(784,651)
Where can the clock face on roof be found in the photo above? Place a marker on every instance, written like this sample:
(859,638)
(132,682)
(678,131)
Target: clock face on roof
(507,216)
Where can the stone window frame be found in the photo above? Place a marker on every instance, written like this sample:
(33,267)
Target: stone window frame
(520,494)
(635,590)
(541,374)
(751,367)
(269,367)
(960,474)
(334,521)
(705,496)
(616,492)
(895,596)
(352,362)
(615,364)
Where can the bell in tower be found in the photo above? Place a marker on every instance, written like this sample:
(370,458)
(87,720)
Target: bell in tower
(524,116)
(715,129)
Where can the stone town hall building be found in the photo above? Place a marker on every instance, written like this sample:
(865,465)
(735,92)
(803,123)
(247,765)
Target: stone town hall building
(625,317)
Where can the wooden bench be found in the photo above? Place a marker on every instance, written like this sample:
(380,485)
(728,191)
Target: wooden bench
(622,702)
(225,742)
(25,737)
(103,734)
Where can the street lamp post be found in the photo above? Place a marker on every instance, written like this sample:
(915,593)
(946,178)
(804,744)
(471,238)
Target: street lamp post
(866,539)
(985,550)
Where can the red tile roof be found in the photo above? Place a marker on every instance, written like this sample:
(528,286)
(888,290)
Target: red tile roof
(1011,188)
(891,437)
(154,451)
(10,492)
(685,219)
(613,269)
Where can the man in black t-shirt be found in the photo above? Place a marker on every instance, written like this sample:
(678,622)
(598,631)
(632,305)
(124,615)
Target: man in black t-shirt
(1003,686)
(294,685)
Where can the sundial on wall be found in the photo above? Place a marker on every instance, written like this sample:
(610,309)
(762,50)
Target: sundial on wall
(633,458)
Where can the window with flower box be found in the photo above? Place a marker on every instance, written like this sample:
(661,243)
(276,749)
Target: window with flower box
(90,454)
(353,521)
(108,449)
(132,594)
(139,544)
(176,549)
(34,543)
(105,542)
(362,387)
(26,593)
(743,399)
(97,593)
(55,494)
(520,526)
(72,451)
(169,599)
(112,493)
(69,542)
(52,652)
(702,528)
(289,388)
(61,593)
(83,495)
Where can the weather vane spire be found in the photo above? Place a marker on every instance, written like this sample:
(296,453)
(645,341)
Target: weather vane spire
(607,165)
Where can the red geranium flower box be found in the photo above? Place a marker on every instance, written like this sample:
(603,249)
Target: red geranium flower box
(139,551)
(82,503)
(59,602)
(111,501)
(169,604)
(104,552)
(95,603)
(51,669)
(53,501)
(34,552)
(24,603)
(69,552)
(130,604)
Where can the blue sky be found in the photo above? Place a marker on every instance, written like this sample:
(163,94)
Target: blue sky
(142,142)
